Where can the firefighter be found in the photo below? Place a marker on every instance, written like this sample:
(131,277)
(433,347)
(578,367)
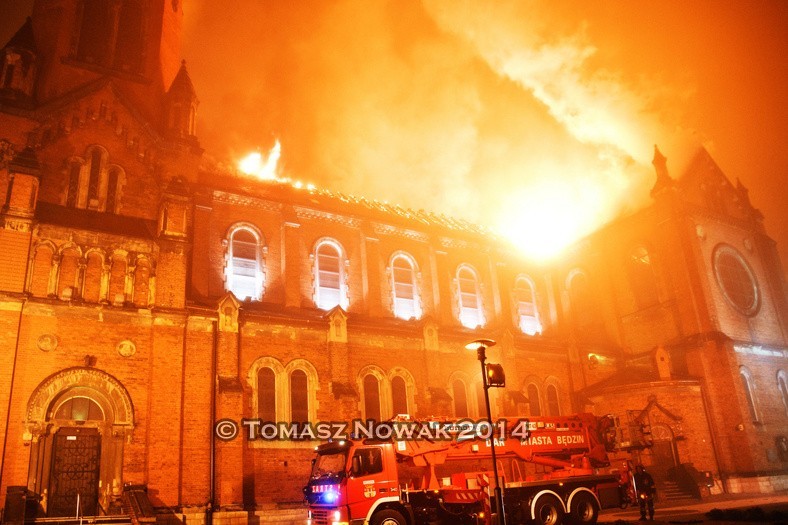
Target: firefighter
(644,484)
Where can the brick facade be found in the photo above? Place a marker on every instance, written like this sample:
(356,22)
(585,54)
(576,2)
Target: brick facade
(130,307)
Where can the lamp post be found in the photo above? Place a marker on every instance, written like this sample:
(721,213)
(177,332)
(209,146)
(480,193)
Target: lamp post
(481,346)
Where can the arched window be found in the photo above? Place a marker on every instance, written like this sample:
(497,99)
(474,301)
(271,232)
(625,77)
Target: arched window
(527,313)
(399,395)
(372,408)
(93,274)
(299,396)
(553,408)
(749,393)
(469,297)
(117,279)
(79,408)
(782,386)
(403,287)
(112,190)
(244,273)
(69,274)
(42,269)
(95,32)
(95,178)
(534,404)
(460,396)
(640,272)
(128,48)
(284,393)
(72,195)
(581,300)
(266,394)
(330,288)
(141,283)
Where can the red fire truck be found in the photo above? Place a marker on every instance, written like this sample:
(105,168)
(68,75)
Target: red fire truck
(557,473)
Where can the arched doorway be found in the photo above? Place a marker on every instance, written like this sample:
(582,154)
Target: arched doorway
(663,451)
(78,421)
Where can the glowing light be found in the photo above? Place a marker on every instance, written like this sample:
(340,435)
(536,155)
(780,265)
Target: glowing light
(544,219)
(254,164)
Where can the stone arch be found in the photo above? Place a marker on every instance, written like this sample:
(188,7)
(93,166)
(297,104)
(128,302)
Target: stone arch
(104,438)
(109,390)
(460,388)
(384,391)
(410,388)
(39,280)
(281,401)
(313,385)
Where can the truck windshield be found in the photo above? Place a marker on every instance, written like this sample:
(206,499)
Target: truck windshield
(330,465)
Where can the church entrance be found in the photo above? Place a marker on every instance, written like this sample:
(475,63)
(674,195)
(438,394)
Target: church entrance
(74,479)
(663,452)
(78,421)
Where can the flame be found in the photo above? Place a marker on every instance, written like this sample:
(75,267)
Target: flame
(547,217)
(253,163)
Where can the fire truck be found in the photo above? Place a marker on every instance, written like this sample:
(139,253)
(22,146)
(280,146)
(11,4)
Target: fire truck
(558,472)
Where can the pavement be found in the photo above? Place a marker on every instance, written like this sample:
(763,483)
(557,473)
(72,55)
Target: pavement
(694,511)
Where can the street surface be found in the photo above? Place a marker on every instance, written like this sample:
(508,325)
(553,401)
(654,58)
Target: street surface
(695,511)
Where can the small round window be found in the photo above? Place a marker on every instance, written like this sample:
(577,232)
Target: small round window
(736,279)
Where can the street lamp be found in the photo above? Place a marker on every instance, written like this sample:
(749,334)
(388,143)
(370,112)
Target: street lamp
(492,376)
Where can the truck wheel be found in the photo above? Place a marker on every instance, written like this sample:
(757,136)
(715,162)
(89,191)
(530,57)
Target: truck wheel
(548,511)
(388,517)
(584,510)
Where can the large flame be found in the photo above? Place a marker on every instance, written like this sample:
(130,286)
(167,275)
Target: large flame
(253,164)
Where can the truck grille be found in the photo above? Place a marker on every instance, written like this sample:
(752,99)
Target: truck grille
(319,517)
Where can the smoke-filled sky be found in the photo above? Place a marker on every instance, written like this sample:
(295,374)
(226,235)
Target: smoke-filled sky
(537,118)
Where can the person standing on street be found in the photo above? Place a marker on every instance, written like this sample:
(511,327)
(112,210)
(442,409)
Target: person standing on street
(644,485)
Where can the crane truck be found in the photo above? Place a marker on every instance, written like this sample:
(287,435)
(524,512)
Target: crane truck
(557,475)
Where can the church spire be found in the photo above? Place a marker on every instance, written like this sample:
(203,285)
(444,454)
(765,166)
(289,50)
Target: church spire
(181,107)
(664,180)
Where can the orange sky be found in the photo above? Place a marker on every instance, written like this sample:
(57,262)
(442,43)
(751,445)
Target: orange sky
(505,113)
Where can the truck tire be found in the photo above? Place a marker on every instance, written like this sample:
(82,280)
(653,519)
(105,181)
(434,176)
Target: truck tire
(388,517)
(548,510)
(584,510)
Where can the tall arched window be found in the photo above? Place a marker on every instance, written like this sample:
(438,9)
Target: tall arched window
(329,276)
(72,195)
(128,47)
(372,409)
(112,190)
(141,283)
(534,404)
(117,279)
(749,393)
(266,394)
(782,386)
(95,32)
(399,395)
(460,396)
(69,274)
(581,300)
(42,269)
(403,287)
(244,273)
(469,297)
(527,313)
(91,287)
(299,396)
(553,408)
(640,272)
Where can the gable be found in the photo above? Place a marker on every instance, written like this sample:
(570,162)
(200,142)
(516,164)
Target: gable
(704,185)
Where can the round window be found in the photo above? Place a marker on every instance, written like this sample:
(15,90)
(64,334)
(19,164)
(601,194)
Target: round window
(736,279)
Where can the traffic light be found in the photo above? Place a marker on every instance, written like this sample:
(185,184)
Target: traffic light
(495,376)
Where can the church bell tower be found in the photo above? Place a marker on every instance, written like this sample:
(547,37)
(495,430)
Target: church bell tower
(134,43)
